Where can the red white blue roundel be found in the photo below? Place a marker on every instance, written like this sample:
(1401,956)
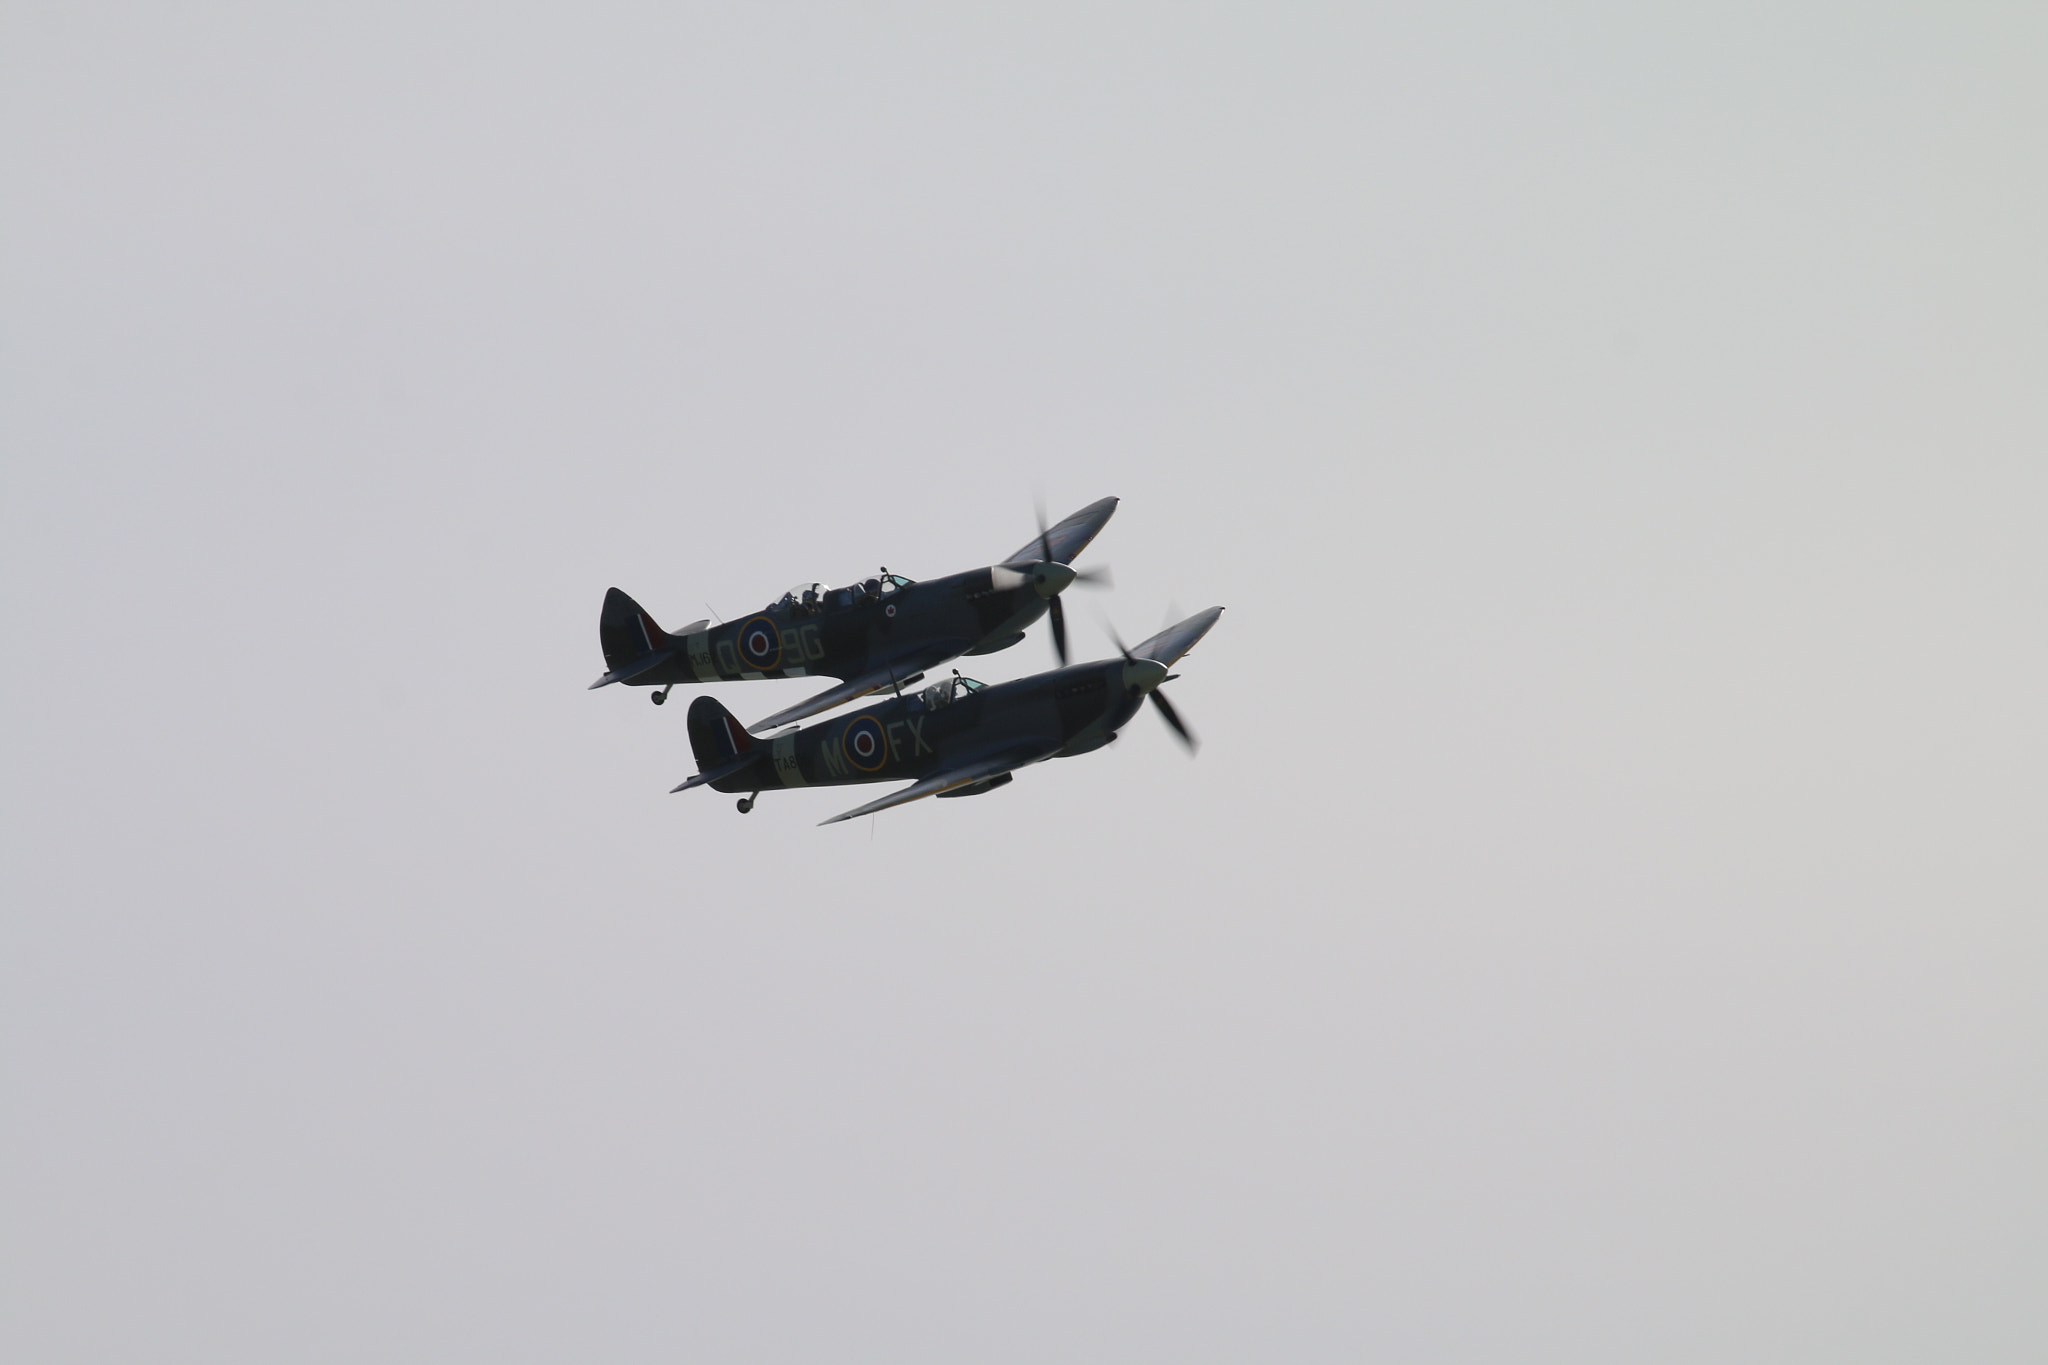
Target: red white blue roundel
(867,748)
(761,644)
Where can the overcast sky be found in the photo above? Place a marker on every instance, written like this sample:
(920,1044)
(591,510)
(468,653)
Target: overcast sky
(1604,923)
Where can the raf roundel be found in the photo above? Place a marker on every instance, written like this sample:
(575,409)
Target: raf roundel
(867,748)
(761,644)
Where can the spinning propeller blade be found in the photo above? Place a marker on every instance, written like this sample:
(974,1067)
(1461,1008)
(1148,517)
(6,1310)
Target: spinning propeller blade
(1172,718)
(1058,612)
(1049,565)
(1094,578)
(1166,711)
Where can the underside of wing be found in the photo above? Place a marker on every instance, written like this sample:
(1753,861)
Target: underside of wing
(901,672)
(980,770)
(1069,537)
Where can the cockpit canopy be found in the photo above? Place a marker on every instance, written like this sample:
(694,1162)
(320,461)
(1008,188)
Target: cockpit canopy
(808,599)
(803,594)
(944,693)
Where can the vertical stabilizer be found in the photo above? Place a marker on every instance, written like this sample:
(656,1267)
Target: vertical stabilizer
(716,736)
(627,633)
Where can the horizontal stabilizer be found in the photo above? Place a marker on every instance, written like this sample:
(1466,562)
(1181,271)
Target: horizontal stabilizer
(719,773)
(626,673)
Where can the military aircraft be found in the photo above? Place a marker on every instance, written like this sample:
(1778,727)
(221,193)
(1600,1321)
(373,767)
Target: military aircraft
(957,737)
(887,631)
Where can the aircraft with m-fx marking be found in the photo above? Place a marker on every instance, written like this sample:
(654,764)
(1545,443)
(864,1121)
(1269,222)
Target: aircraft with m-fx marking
(957,737)
(887,631)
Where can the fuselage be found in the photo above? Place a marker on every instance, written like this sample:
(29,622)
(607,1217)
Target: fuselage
(847,632)
(1067,711)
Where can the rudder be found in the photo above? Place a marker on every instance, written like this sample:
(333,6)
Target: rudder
(716,735)
(627,632)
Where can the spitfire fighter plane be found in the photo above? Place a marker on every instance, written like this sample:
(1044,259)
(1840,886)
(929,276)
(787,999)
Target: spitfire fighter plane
(957,737)
(885,632)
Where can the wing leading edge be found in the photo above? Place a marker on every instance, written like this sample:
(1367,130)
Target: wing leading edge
(1070,536)
(1169,645)
(874,680)
(1008,760)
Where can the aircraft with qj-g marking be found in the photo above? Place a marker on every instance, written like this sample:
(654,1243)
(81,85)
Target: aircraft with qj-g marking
(885,632)
(955,738)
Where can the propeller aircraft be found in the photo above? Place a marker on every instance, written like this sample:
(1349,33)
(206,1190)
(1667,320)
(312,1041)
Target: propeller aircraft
(957,737)
(885,632)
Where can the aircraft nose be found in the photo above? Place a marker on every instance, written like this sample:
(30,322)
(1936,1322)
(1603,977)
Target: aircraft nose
(1144,674)
(1051,578)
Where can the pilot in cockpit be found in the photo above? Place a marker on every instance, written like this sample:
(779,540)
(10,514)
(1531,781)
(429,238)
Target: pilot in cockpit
(941,694)
(808,599)
(803,599)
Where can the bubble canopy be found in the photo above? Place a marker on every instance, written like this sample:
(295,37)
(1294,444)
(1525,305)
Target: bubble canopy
(945,692)
(806,598)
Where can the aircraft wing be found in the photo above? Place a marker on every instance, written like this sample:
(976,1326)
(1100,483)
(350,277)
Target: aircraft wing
(1070,537)
(980,770)
(1170,644)
(874,680)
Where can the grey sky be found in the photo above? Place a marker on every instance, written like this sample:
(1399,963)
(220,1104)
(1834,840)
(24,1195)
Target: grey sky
(1604,923)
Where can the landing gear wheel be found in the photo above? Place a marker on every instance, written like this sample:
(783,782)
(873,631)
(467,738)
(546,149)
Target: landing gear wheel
(662,696)
(746,804)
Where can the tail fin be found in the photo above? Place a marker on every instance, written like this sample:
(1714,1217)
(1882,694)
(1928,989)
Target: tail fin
(627,632)
(716,736)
